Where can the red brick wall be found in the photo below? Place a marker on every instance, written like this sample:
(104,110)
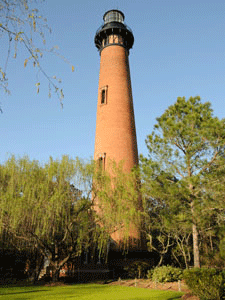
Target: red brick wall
(115,126)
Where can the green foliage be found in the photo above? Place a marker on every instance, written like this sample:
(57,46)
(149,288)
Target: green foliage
(222,247)
(183,178)
(137,269)
(53,207)
(48,207)
(38,199)
(117,200)
(150,273)
(165,274)
(207,284)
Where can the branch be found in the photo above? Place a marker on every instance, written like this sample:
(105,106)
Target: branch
(177,170)
(210,163)
(179,147)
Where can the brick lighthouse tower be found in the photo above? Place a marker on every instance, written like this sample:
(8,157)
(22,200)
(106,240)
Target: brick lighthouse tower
(115,126)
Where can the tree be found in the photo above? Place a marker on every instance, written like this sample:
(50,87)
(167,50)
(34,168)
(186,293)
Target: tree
(47,208)
(117,204)
(185,148)
(161,218)
(22,25)
(51,209)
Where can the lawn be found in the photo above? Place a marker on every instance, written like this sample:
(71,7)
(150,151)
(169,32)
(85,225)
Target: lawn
(85,292)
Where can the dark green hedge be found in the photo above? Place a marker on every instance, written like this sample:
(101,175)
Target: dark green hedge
(207,284)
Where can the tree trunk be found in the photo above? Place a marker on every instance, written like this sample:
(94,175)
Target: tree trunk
(38,267)
(55,274)
(194,233)
(195,246)
(57,266)
(160,261)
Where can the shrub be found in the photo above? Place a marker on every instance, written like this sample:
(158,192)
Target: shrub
(150,273)
(137,269)
(207,284)
(165,274)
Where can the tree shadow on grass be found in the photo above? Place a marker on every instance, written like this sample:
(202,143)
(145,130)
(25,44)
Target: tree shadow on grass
(24,292)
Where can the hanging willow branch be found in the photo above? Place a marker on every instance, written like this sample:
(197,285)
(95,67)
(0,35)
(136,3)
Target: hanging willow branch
(21,24)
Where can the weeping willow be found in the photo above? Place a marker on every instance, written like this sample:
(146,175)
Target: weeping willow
(47,206)
(118,203)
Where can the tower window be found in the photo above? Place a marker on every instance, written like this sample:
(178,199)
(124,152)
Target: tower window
(101,161)
(103,95)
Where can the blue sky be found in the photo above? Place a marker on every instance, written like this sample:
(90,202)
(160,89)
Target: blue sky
(179,50)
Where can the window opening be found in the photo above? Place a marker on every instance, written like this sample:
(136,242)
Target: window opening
(103,95)
(101,161)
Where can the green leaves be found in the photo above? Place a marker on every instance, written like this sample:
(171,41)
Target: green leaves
(37,85)
(187,133)
(41,200)
(183,171)
(117,201)
(207,284)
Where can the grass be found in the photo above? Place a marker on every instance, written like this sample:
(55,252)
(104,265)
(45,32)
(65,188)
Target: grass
(85,292)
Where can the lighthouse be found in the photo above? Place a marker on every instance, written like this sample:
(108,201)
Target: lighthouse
(115,138)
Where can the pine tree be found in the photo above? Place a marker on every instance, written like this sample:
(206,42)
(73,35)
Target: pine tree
(185,148)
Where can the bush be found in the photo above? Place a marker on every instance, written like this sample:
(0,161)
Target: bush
(137,269)
(165,274)
(207,284)
(150,273)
